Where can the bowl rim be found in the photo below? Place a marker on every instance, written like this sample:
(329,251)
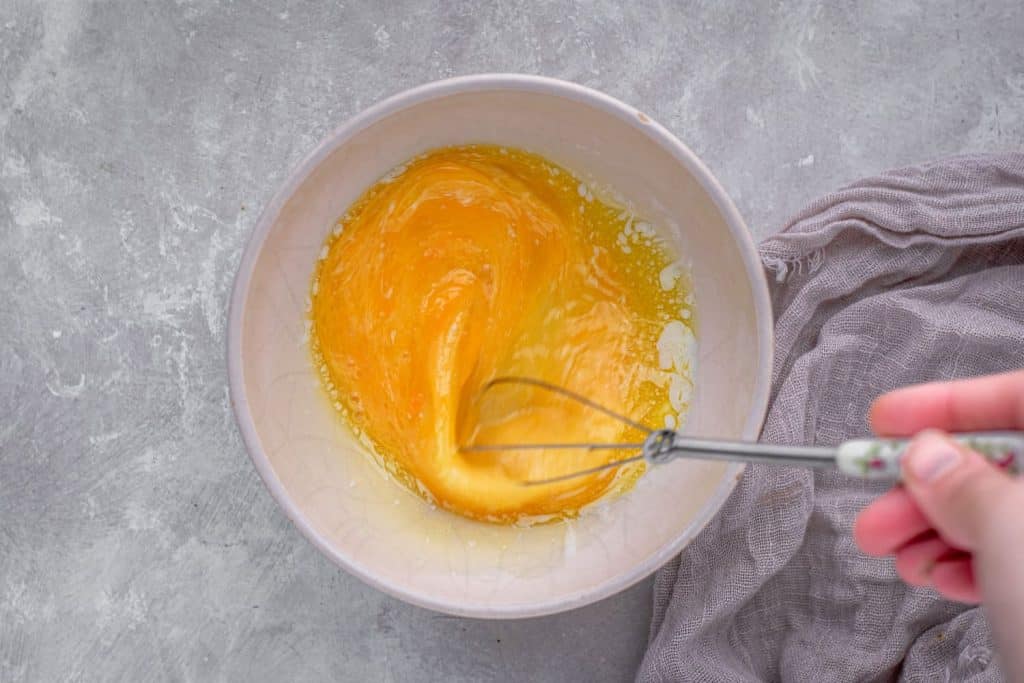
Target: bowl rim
(437,90)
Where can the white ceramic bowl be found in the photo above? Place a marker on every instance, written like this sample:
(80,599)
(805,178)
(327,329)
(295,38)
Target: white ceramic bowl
(392,539)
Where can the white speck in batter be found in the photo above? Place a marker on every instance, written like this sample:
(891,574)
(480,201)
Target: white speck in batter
(669,275)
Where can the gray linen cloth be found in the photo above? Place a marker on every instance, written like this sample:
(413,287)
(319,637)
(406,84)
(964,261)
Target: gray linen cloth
(914,275)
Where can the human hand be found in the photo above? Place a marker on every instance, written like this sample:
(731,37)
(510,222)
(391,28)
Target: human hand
(957,523)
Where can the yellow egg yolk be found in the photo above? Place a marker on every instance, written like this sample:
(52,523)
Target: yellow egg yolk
(478,262)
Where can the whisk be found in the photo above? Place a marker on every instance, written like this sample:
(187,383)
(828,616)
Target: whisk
(867,458)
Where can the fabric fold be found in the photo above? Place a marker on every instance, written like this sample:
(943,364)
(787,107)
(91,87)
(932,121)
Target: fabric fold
(914,275)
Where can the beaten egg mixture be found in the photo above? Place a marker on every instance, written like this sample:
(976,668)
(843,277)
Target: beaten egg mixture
(477,262)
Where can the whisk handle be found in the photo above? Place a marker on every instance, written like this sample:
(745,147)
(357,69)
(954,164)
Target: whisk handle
(880,458)
(665,445)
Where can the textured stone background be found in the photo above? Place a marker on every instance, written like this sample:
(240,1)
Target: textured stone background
(138,142)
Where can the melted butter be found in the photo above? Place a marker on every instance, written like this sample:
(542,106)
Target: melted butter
(477,262)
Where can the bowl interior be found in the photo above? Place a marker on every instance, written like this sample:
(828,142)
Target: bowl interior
(395,540)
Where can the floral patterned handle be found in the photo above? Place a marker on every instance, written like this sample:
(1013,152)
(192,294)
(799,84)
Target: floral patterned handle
(880,458)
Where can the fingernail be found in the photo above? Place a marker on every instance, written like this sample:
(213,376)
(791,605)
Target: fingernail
(930,456)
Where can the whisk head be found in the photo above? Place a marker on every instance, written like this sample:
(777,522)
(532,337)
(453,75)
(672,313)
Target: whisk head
(589,446)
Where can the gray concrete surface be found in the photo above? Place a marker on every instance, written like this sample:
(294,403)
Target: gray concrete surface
(138,142)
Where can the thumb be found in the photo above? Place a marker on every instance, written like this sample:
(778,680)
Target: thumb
(960,493)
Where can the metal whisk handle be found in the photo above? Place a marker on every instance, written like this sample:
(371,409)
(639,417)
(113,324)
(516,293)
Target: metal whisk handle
(867,458)
(665,445)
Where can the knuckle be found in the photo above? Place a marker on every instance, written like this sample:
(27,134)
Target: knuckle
(981,495)
(971,485)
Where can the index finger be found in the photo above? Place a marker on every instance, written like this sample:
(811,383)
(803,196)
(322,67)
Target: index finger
(981,403)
